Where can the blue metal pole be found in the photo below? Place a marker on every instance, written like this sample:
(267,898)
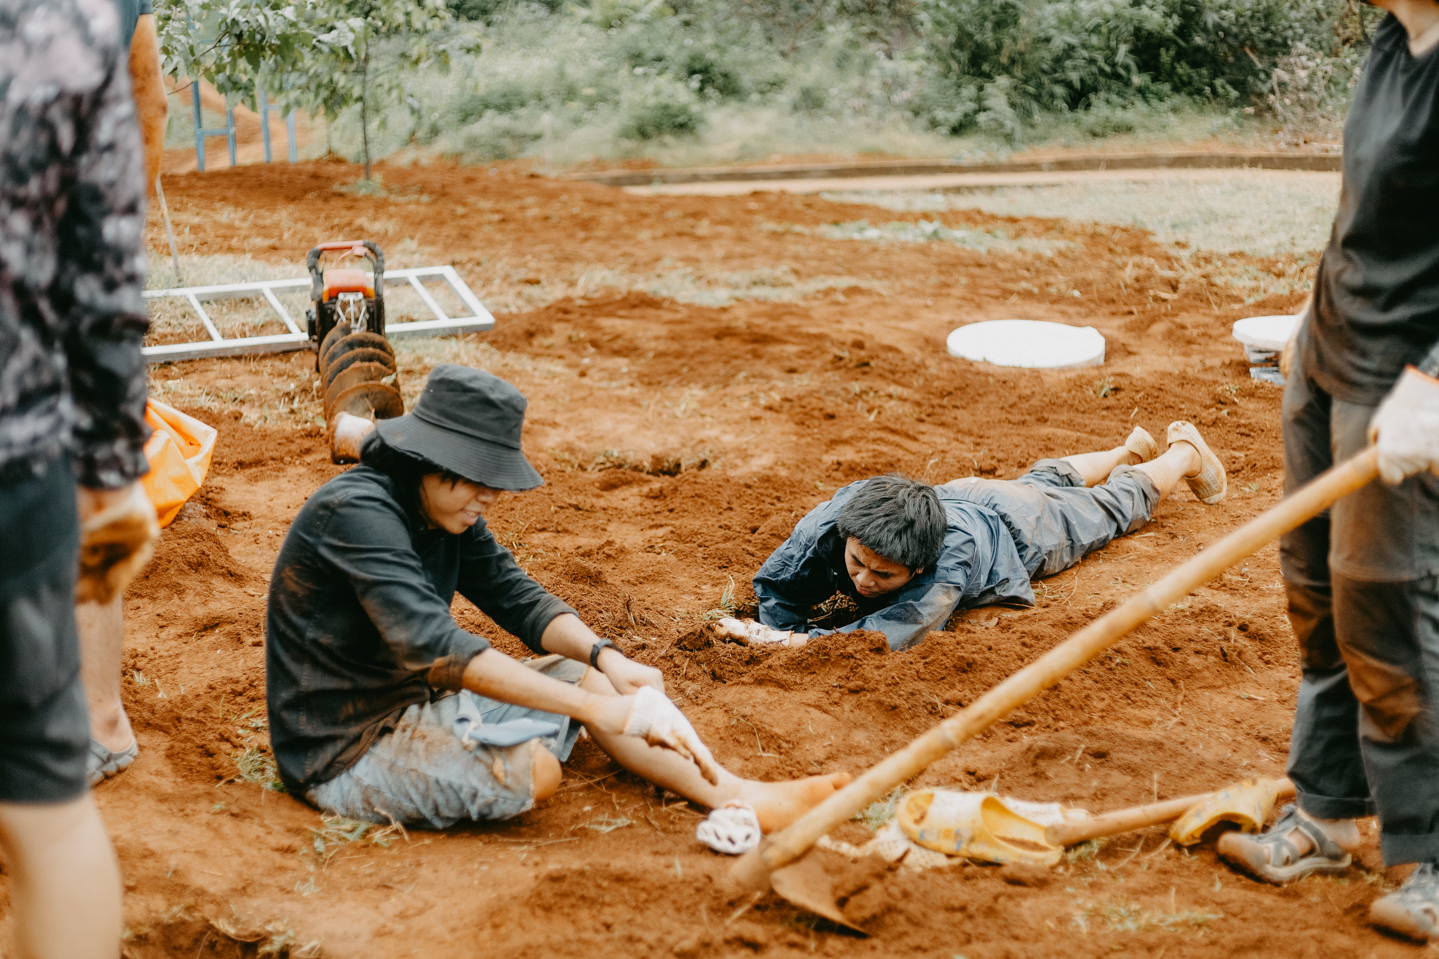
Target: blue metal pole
(290,133)
(199,128)
(264,119)
(230,133)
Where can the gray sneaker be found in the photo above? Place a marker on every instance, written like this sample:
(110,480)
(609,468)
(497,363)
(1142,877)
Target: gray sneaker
(1272,857)
(1413,909)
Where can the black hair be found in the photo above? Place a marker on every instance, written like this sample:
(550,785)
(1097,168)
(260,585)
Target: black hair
(899,518)
(406,469)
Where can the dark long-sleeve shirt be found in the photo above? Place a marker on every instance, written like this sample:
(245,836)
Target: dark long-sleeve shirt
(359,623)
(978,565)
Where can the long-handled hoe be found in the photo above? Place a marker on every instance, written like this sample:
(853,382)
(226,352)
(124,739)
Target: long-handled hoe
(778,863)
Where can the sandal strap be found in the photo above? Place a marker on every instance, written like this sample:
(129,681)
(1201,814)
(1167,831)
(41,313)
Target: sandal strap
(1277,838)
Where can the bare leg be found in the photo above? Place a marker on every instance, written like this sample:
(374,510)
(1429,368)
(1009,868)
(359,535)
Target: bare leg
(776,804)
(1096,467)
(1177,462)
(102,639)
(64,881)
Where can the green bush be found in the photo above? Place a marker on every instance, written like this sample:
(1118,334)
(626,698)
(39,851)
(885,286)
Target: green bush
(1061,55)
(662,107)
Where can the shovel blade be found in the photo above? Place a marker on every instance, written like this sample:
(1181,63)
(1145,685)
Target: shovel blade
(808,884)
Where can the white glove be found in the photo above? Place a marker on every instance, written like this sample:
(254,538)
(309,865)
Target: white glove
(1406,428)
(115,544)
(733,829)
(758,634)
(659,722)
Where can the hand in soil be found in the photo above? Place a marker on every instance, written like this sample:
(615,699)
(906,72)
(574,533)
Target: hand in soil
(779,804)
(758,634)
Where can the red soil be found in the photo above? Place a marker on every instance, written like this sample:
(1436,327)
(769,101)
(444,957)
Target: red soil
(767,407)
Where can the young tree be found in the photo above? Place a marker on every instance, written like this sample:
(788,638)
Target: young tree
(322,55)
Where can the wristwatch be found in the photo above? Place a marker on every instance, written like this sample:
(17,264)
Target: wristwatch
(599,645)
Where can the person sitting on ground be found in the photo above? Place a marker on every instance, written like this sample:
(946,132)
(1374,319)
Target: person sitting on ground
(909,554)
(382,708)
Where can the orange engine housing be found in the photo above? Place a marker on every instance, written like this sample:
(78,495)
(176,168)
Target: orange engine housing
(348,281)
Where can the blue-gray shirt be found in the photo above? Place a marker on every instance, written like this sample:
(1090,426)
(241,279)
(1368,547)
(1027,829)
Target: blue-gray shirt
(978,566)
(359,625)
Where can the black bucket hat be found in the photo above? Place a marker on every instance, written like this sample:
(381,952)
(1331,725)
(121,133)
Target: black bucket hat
(469,422)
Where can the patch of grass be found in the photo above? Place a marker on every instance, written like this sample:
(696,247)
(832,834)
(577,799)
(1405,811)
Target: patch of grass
(876,814)
(1103,387)
(926,231)
(337,833)
(256,765)
(1085,851)
(1121,915)
(727,606)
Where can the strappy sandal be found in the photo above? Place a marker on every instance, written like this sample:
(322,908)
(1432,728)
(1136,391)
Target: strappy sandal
(1272,857)
(102,763)
(1413,909)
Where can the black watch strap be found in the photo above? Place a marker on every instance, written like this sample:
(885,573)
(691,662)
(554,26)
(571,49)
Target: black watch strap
(599,645)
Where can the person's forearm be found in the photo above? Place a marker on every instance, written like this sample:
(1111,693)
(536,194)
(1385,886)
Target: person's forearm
(497,676)
(570,637)
(147,84)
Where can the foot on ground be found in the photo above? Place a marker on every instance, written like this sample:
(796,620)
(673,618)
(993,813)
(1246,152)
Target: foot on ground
(1413,909)
(1210,483)
(1142,445)
(1294,847)
(102,763)
(779,804)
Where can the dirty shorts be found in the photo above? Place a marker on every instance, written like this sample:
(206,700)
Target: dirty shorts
(1055,520)
(460,757)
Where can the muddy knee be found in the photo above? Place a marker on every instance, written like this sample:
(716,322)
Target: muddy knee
(1387,694)
(544,771)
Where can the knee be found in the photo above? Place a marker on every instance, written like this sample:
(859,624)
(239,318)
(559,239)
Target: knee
(545,771)
(1387,693)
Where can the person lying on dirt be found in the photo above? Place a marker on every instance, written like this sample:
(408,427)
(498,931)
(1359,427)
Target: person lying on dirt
(382,708)
(909,554)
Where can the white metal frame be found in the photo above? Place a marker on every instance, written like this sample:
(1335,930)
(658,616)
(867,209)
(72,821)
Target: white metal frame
(297,339)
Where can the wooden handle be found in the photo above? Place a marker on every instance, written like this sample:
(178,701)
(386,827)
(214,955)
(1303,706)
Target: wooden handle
(1128,820)
(784,847)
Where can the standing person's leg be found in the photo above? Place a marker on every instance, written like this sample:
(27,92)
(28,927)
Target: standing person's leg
(64,883)
(102,636)
(1324,754)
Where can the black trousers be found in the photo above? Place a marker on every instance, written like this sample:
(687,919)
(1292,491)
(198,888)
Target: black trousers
(1364,606)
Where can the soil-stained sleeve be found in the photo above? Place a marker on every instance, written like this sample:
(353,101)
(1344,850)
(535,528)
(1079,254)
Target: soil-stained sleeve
(796,576)
(916,612)
(99,280)
(367,540)
(492,580)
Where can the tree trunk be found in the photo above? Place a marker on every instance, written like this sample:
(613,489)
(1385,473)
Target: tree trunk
(365,103)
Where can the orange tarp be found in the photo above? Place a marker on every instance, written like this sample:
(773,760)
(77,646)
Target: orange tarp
(179,453)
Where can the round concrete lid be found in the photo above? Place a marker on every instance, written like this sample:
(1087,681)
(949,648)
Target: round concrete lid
(1033,344)
(1265,332)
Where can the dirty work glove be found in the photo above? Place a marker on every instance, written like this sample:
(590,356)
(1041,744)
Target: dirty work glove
(115,544)
(1406,427)
(758,634)
(659,722)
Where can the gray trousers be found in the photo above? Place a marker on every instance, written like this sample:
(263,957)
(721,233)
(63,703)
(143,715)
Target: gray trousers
(1054,518)
(1363,603)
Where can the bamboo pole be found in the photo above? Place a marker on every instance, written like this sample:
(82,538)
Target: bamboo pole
(784,847)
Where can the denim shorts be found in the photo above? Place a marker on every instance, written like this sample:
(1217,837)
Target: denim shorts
(461,757)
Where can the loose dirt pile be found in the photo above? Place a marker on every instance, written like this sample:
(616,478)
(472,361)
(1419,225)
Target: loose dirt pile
(679,443)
